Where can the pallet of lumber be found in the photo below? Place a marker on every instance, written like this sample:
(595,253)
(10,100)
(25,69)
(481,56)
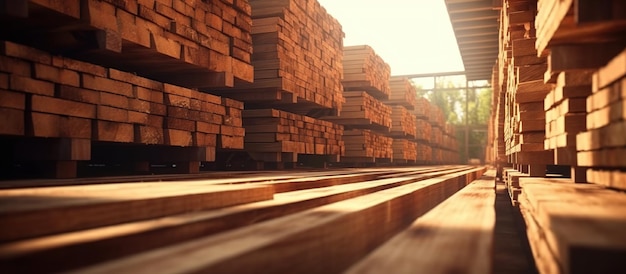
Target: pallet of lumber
(403,93)
(465,225)
(298,48)
(403,123)
(602,146)
(197,44)
(404,151)
(59,97)
(366,146)
(361,110)
(573,228)
(275,131)
(364,70)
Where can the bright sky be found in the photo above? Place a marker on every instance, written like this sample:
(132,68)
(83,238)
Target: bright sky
(412,36)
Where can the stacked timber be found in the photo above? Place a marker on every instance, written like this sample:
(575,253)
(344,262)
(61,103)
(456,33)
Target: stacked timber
(437,123)
(423,130)
(602,147)
(279,136)
(565,107)
(450,153)
(404,151)
(298,48)
(195,44)
(496,123)
(577,38)
(403,123)
(403,93)
(364,70)
(361,110)
(366,119)
(573,228)
(366,146)
(73,104)
(522,79)
(402,101)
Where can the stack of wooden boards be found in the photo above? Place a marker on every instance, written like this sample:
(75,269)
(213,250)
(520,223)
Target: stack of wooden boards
(578,49)
(423,130)
(364,70)
(77,103)
(565,107)
(574,228)
(402,100)
(298,48)
(437,123)
(602,146)
(199,44)
(366,83)
(549,50)
(524,87)
(246,223)
(274,133)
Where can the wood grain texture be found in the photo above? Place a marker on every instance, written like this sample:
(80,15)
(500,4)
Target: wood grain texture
(461,227)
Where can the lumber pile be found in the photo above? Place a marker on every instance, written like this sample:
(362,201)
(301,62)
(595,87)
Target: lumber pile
(361,110)
(274,133)
(496,122)
(366,146)
(364,70)
(576,38)
(298,48)
(450,152)
(73,104)
(404,151)
(573,228)
(423,130)
(403,93)
(403,123)
(521,76)
(602,146)
(565,107)
(198,44)
(424,152)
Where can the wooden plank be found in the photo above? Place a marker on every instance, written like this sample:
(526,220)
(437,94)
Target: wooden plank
(248,252)
(461,227)
(21,217)
(149,234)
(583,206)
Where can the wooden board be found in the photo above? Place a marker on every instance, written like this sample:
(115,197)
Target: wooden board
(91,206)
(461,227)
(554,207)
(145,235)
(344,224)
